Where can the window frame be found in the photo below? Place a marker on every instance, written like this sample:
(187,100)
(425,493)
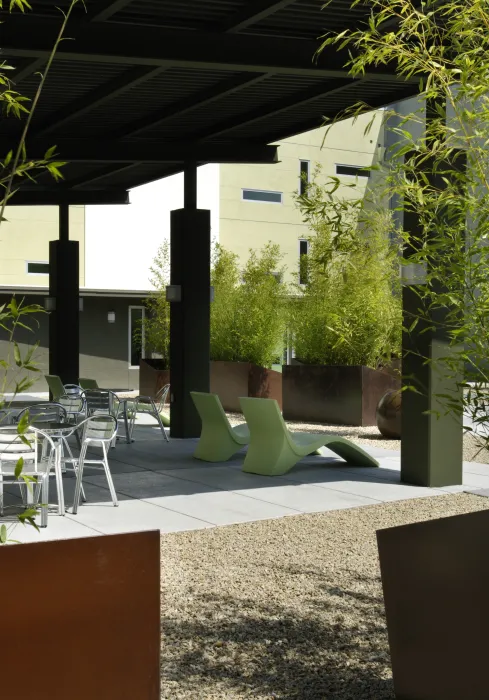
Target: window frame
(36,262)
(302,188)
(261,201)
(363,171)
(307,242)
(129,334)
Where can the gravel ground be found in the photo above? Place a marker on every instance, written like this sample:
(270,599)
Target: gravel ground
(370,435)
(288,609)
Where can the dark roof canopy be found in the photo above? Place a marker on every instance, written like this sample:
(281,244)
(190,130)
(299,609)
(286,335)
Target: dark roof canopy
(138,87)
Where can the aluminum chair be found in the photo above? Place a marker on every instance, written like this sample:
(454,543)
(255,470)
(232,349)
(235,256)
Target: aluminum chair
(72,389)
(152,407)
(49,413)
(103,402)
(12,448)
(98,431)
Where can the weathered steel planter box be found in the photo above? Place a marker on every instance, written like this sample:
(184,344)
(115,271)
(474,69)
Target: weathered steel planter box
(94,605)
(340,395)
(152,377)
(230,380)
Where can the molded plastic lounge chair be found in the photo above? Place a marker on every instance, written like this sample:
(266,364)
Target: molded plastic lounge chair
(274,450)
(55,386)
(86,383)
(218,440)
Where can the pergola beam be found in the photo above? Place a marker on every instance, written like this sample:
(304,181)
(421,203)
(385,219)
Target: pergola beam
(295,100)
(27,69)
(102,94)
(91,151)
(108,8)
(100,174)
(153,46)
(187,104)
(60,195)
(252,13)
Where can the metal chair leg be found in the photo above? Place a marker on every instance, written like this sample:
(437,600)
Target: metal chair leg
(109,476)
(45,500)
(79,477)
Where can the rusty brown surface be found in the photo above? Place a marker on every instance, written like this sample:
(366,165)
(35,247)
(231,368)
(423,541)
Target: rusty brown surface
(341,395)
(81,618)
(152,378)
(435,577)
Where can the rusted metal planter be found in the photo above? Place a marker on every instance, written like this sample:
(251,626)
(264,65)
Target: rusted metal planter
(230,380)
(153,375)
(338,395)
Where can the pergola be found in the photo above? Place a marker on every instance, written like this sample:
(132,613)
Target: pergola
(142,89)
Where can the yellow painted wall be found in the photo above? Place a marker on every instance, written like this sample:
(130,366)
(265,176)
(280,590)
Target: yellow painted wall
(25,237)
(245,224)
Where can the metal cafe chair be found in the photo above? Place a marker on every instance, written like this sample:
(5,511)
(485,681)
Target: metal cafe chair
(104,401)
(151,407)
(98,431)
(36,467)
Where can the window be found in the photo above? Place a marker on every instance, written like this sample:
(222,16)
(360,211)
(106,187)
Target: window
(262,196)
(352,170)
(136,335)
(303,253)
(38,268)
(305,176)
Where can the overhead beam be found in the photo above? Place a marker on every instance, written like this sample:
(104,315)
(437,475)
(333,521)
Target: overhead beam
(252,13)
(93,151)
(186,105)
(106,9)
(27,69)
(100,174)
(154,46)
(102,94)
(289,102)
(41,196)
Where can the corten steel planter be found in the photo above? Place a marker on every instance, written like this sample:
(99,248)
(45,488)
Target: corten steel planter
(86,623)
(152,377)
(334,394)
(230,380)
(435,578)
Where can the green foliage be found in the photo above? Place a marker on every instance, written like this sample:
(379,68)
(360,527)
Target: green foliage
(248,317)
(444,45)
(349,310)
(155,333)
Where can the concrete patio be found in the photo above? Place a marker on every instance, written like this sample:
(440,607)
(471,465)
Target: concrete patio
(160,486)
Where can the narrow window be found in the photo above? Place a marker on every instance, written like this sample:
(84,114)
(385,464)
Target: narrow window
(38,268)
(262,196)
(305,176)
(303,253)
(136,335)
(352,170)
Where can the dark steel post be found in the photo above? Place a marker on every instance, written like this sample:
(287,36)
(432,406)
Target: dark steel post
(190,243)
(64,333)
(432,440)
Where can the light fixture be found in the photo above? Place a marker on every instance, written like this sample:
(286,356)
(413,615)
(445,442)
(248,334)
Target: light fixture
(50,303)
(111,317)
(174,293)
(413,274)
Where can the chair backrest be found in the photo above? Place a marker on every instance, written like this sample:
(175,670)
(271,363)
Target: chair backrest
(44,413)
(87,383)
(72,389)
(161,397)
(211,412)
(12,448)
(100,401)
(55,385)
(72,403)
(264,420)
(103,427)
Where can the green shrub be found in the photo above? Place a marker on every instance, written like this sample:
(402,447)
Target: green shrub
(349,310)
(156,333)
(248,316)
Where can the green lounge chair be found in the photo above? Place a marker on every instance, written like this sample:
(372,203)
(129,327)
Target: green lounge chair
(218,440)
(55,386)
(274,450)
(89,384)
